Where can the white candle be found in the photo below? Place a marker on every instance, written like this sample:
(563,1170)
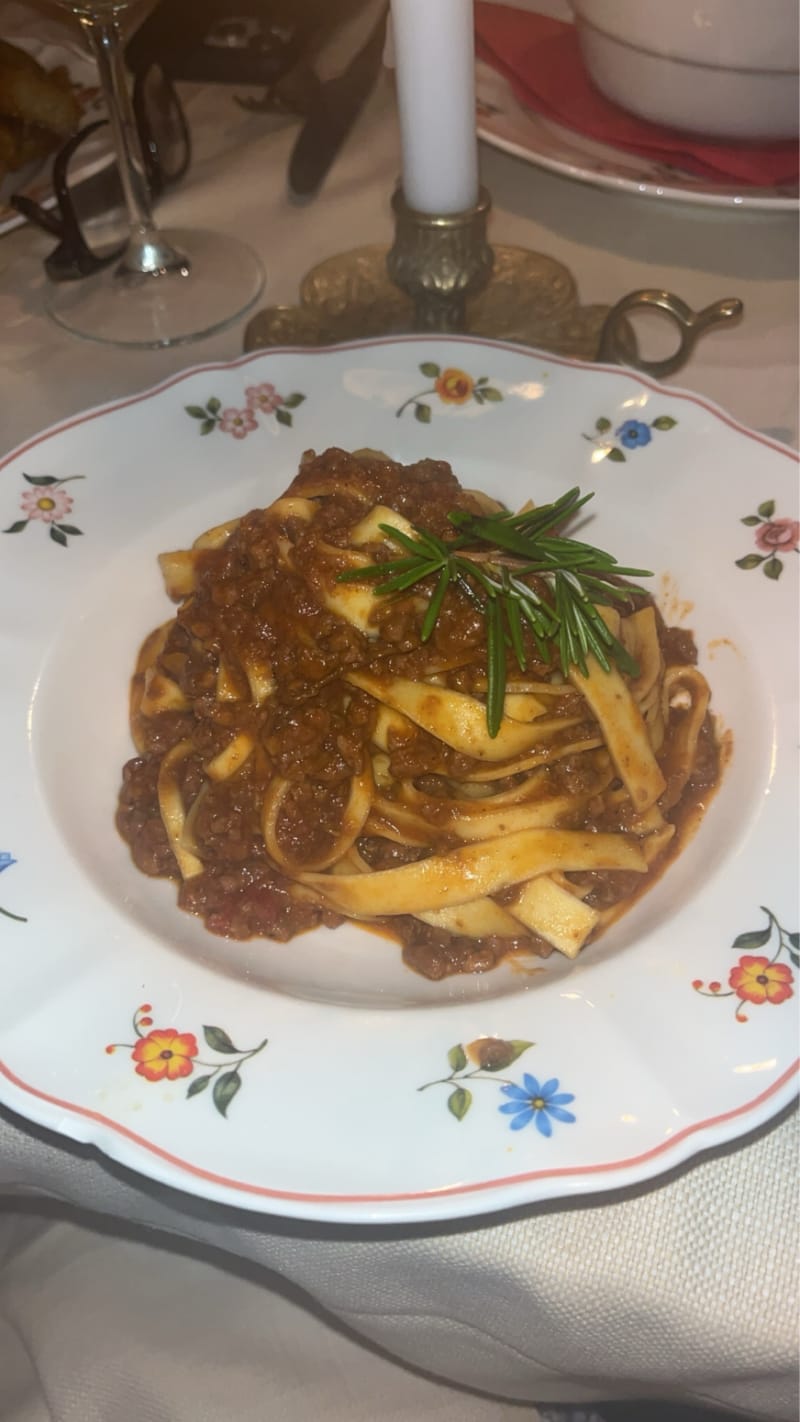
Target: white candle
(434,54)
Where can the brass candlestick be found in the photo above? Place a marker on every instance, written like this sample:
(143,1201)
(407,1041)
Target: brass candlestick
(440,261)
(441,275)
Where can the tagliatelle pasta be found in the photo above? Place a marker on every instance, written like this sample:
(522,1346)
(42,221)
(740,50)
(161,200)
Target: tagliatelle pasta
(306,757)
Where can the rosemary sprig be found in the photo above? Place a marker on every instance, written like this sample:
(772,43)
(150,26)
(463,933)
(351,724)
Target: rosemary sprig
(504,551)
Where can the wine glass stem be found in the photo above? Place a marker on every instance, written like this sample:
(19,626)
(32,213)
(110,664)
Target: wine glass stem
(146,252)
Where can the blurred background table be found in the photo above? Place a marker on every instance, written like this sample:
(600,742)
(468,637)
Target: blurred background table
(680,1289)
(612,242)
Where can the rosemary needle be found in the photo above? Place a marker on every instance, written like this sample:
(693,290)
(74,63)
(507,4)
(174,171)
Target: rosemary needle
(517,572)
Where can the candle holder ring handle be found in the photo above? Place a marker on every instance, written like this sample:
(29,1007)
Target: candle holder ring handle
(618,344)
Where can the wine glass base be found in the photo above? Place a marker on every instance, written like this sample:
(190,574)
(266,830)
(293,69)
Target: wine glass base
(223,281)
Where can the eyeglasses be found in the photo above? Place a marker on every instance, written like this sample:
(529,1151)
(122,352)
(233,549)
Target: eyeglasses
(89,233)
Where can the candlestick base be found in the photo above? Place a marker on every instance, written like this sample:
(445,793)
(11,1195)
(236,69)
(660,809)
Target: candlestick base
(440,261)
(530,299)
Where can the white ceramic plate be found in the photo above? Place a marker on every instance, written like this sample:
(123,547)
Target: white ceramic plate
(360,1095)
(34,181)
(505,123)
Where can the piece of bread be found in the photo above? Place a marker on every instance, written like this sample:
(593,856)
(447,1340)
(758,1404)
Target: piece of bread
(36,95)
(38,108)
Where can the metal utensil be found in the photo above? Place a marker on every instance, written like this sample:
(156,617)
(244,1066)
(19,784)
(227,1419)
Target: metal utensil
(332,113)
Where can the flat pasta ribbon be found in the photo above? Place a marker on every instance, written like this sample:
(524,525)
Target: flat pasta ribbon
(474,871)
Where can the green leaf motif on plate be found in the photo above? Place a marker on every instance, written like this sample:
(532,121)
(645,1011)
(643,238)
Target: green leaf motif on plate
(225,1088)
(757,979)
(450,387)
(219,1041)
(750,560)
(459,1102)
(199,1084)
(775,537)
(631,434)
(260,401)
(457,1058)
(47,502)
(758,938)
(165,1054)
(480,1060)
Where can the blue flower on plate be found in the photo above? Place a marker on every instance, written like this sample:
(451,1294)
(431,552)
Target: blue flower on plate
(6,860)
(535,1102)
(634,433)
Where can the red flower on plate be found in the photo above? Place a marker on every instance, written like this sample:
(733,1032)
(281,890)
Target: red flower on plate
(165,1052)
(263,397)
(238,423)
(778,535)
(49,506)
(756,979)
(455,387)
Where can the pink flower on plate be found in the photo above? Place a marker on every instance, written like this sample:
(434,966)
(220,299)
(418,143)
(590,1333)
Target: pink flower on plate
(263,397)
(778,534)
(49,505)
(238,423)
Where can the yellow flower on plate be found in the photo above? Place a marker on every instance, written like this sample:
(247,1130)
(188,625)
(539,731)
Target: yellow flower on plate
(455,387)
(165,1052)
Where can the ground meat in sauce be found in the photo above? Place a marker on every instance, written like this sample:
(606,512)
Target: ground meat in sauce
(313,730)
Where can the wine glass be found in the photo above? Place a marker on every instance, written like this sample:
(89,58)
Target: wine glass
(169,286)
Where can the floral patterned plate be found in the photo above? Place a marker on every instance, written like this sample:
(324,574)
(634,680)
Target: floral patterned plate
(323,1079)
(503,122)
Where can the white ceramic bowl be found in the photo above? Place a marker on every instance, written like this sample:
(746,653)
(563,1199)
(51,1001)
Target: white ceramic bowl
(724,69)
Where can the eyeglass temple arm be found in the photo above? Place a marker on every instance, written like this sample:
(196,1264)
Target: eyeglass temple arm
(34,212)
(62,224)
(70,227)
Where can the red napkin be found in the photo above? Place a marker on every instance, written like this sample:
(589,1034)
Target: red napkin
(541,59)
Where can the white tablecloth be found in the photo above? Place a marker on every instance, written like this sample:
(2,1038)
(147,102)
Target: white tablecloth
(683,1288)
